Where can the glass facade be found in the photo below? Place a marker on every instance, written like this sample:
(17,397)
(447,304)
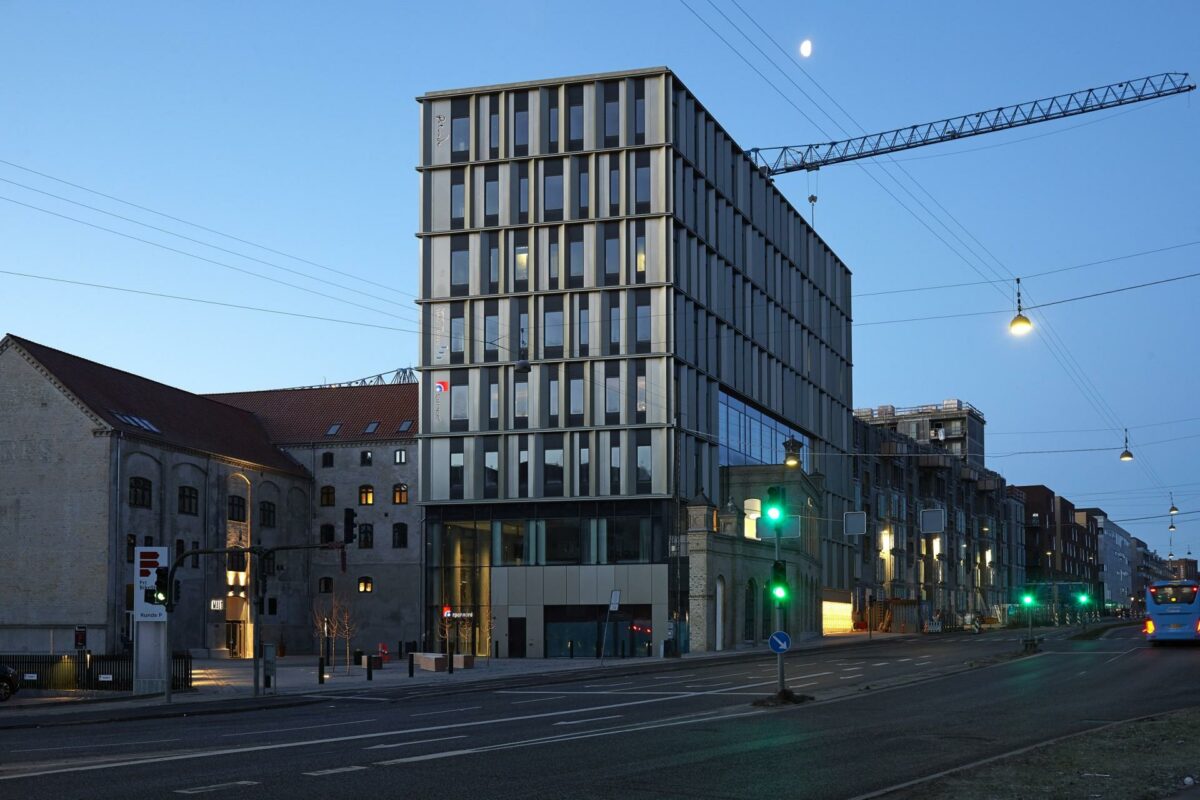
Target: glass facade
(750,436)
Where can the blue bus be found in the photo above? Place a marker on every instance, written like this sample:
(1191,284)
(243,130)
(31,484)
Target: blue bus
(1172,612)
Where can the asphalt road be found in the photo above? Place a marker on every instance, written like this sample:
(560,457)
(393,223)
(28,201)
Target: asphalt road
(882,714)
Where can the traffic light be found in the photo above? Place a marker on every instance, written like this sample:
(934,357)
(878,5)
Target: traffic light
(779,585)
(1083,598)
(348,525)
(1027,599)
(157,594)
(772,505)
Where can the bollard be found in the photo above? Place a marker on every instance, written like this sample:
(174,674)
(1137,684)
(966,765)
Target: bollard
(649,650)
(496,648)
(570,648)
(321,669)
(411,658)
(622,649)
(450,659)
(370,672)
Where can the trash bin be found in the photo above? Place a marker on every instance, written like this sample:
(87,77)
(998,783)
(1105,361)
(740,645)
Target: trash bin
(376,662)
(358,658)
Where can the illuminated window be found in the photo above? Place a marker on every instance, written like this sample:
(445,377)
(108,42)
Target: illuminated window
(400,494)
(366,584)
(366,495)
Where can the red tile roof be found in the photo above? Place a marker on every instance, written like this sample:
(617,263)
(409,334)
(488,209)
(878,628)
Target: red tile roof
(304,416)
(172,416)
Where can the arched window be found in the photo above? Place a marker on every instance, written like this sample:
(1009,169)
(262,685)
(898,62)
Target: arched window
(266,514)
(324,585)
(400,534)
(328,496)
(140,493)
(326,459)
(366,536)
(366,584)
(400,494)
(327,534)
(366,495)
(189,500)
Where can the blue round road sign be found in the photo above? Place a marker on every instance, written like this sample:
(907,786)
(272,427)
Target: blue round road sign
(779,642)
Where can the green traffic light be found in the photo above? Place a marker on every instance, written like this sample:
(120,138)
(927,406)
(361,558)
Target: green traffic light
(1084,599)
(1027,600)
(780,592)
(774,513)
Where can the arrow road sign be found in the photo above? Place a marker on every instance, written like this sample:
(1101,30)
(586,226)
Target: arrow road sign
(779,642)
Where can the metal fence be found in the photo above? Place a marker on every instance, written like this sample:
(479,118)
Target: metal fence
(74,671)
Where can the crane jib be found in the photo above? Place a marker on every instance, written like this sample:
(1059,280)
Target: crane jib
(780,160)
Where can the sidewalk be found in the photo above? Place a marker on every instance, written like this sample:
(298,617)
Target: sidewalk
(296,682)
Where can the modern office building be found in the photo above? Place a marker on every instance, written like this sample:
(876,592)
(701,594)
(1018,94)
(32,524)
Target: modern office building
(616,305)
(953,426)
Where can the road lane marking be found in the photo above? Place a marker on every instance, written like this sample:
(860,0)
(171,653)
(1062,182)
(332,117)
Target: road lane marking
(426,757)
(607,685)
(880,664)
(904,659)
(851,669)
(347,697)
(585,721)
(90,746)
(216,787)
(1127,652)
(674,675)
(418,741)
(333,771)
(811,675)
(446,711)
(802,685)
(226,751)
(302,728)
(537,700)
(848,677)
(707,685)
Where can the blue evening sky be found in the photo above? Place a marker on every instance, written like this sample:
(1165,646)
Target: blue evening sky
(293,125)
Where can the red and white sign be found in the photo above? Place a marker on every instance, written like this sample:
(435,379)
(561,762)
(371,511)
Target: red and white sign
(146,560)
(441,386)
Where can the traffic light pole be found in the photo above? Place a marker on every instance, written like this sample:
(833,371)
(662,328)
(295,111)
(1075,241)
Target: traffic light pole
(780,682)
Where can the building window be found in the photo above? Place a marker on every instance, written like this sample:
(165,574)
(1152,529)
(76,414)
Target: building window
(266,514)
(523,192)
(459,410)
(366,536)
(491,330)
(639,407)
(522,466)
(523,328)
(195,555)
(366,584)
(189,500)
(326,460)
(365,458)
(458,333)
(460,130)
(614,185)
(520,261)
(491,467)
(328,496)
(583,184)
(552,191)
(458,199)
(552,258)
(493,378)
(584,326)
(575,257)
(460,266)
(180,548)
(399,534)
(324,585)
(585,466)
(552,400)
(552,120)
(639,112)
(366,495)
(642,328)
(614,464)
(521,401)
(327,534)
(456,469)
(521,124)
(612,254)
(552,327)
(612,393)
(641,183)
(552,466)
(237,508)
(644,462)
(140,493)
(400,494)
(574,117)
(494,126)
(614,324)
(639,251)
(400,456)
(333,429)
(612,114)
(490,252)
(491,195)
(272,606)
(575,394)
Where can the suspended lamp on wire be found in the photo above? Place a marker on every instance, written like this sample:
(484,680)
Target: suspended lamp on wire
(1125,454)
(1171,527)
(1020,324)
(1173,510)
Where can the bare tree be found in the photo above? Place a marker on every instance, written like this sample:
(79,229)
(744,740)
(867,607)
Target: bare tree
(347,625)
(489,625)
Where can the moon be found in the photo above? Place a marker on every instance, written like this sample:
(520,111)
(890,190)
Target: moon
(806,48)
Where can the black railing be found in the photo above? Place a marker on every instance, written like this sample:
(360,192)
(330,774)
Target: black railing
(73,671)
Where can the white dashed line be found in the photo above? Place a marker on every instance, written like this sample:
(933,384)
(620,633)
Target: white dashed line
(333,771)
(409,744)
(446,711)
(537,700)
(585,721)
(216,787)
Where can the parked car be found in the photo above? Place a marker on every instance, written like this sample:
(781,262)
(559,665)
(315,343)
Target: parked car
(9,682)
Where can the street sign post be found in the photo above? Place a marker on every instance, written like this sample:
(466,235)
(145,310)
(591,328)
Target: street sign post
(854,523)
(779,642)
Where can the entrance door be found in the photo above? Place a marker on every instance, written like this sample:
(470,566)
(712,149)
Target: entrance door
(516,637)
(234,638)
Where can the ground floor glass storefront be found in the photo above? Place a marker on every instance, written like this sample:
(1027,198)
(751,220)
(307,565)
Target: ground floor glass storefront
(465,543)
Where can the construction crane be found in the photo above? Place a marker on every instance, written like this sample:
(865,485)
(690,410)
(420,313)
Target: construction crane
(773,161)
